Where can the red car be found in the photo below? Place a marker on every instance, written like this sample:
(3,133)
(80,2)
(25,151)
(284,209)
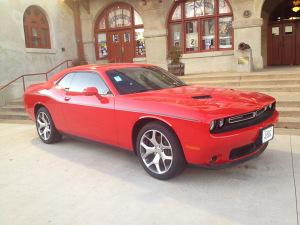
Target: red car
(145,109)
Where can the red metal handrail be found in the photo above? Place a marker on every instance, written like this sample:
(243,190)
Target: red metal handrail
(35,74)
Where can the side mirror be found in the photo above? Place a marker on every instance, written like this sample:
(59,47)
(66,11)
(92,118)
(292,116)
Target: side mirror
(90,91)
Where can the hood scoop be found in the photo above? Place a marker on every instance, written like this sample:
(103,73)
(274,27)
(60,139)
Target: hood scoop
(202,97)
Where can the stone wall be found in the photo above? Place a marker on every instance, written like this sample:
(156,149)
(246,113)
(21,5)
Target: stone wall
(15,58)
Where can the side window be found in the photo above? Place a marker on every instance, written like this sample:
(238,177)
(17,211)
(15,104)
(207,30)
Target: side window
(83,80)
(65,82)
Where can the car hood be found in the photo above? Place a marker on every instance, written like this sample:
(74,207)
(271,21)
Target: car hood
(213,101)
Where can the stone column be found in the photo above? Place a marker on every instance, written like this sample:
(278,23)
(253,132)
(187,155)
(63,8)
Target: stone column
(156,48)
(249,31)
(75,6)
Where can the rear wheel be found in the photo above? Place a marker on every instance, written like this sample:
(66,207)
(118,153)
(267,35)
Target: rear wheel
(159,151)
(45,127)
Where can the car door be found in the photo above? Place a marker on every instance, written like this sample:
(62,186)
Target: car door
(57,94)
(92,116)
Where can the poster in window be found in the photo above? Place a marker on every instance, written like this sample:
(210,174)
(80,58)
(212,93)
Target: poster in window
(177,36)
(192,40)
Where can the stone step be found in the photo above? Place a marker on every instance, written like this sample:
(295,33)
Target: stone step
(242,83)
(283,103)
(13,115)
(289,112)
(289,123)
(264,89)
(17,102)
(16,121)
(209,77)
(290,89)
(12,108)
(283,131)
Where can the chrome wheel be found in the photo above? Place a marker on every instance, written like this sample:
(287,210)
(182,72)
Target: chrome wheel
(43,126)
(156,151)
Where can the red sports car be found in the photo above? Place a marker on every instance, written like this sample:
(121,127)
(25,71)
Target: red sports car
(145,109)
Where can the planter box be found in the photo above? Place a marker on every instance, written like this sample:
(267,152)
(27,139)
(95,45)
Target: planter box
(176,69)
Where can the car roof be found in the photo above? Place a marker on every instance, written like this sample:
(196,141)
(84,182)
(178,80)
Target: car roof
(96,67)
(105,67)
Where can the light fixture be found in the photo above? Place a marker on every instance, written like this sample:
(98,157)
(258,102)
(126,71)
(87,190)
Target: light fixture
(296,5)
(296,8)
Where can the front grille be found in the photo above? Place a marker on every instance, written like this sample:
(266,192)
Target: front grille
(243,151)
(241,118)
(245,120)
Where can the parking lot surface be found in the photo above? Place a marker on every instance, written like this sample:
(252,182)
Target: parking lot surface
(81,183)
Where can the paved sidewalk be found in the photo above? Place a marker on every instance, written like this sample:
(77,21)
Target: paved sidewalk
(81,183)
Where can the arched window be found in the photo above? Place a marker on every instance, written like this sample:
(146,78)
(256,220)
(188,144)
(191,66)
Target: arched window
(119,34)
(201,25)
(36,28)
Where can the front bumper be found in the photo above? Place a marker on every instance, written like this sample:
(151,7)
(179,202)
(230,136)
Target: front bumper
(229,148)
(254,153)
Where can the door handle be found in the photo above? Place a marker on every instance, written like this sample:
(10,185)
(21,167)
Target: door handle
(67,98)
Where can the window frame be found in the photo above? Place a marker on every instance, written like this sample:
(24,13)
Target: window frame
(109,93)
(200,19)
(33,21)
(107,29)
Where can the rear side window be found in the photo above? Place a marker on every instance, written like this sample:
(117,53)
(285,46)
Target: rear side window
(65,82)
(82,80)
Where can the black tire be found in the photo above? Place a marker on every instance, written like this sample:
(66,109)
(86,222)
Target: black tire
(177,164)
(53,135)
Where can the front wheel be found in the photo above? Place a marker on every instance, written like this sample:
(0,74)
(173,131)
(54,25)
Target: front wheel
(45,127)
(159,151)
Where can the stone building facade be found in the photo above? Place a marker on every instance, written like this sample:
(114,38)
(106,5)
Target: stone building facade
(201,33)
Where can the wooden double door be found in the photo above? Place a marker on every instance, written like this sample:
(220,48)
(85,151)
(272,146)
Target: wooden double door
(284,43)
(121,46)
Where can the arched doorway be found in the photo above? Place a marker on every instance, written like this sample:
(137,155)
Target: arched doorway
(119,34)
(283,44)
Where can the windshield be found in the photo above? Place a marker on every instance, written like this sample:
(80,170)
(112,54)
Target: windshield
(140,79)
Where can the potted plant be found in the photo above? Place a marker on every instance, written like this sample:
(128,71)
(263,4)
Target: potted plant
(176,67)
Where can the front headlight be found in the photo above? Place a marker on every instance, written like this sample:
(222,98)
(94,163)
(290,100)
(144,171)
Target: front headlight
(215,124)
(220,123)
(212,125)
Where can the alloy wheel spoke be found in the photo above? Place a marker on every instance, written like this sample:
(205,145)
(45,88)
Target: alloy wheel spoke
(45,134)
(41,124)
(43,118)
(164,147)
(165,157)
(158,168)
(148,150)
(153,139)
(164,163)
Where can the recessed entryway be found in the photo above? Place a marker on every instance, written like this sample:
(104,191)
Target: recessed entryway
(284,35)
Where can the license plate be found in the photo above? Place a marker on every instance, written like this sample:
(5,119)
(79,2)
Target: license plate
(267,134)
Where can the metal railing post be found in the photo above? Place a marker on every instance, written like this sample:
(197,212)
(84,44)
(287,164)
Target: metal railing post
(46,74)
(23,79)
